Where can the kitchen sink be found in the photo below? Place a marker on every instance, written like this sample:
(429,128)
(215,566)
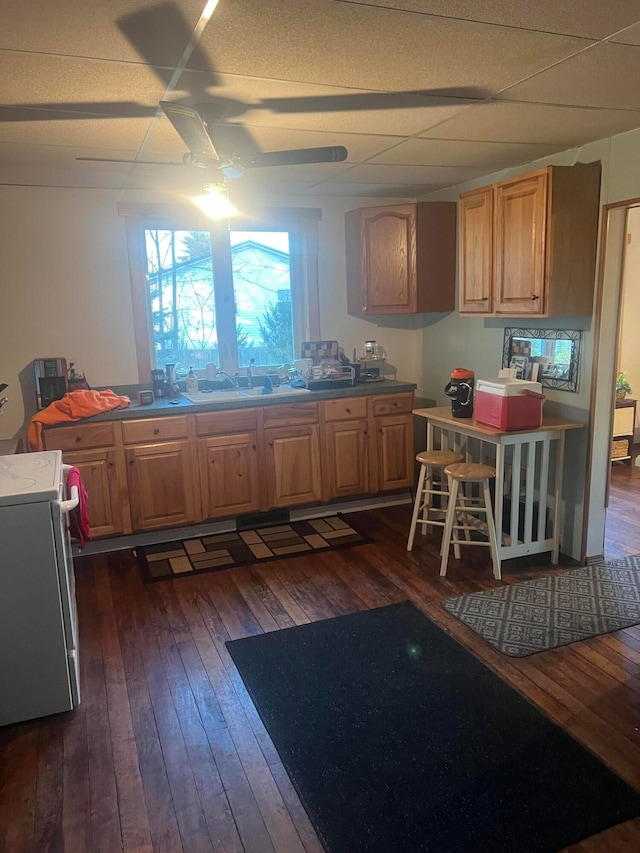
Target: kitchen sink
(231,394)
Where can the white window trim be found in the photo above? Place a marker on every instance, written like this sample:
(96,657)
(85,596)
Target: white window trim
(301,223)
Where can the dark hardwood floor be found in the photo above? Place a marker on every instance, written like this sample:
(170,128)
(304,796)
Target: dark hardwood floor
(166,752)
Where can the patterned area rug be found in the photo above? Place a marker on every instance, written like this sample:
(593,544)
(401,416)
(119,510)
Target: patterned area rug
(523,618)
(240,548)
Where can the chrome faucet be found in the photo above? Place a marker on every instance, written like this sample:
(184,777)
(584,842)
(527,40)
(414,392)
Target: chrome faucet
(226,375)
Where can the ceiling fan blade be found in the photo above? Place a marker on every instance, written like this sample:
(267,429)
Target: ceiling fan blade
(156,31)
(75,112)
(369,100)
(191,129)
(135,162)
(296,157)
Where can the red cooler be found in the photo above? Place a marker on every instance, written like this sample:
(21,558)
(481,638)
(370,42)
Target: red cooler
(509,404)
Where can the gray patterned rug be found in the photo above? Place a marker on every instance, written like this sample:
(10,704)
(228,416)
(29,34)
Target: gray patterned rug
(523,618)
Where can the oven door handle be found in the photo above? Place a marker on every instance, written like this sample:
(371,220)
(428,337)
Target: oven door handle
(72,503)
(74,500)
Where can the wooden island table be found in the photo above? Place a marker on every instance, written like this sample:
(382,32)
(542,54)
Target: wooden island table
(528,465)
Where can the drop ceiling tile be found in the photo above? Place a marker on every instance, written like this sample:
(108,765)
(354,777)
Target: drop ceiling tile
(587,18)
(304,106)
(90,133)
(451,152)
(602,76)
(628,36)
(345,44)
(84,85)
(362,190)
(392,174)
(505,121)
(71,27)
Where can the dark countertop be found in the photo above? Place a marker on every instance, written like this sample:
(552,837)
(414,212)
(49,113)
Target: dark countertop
(162,407)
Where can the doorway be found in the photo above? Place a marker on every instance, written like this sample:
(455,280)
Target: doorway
(614,486)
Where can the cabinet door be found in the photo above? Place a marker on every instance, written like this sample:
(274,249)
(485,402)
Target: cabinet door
(102,478)
(395,451)
(293,465)
(229,480)
(389,260)
(161,481)
(520,245)
(476,251)
(346,460)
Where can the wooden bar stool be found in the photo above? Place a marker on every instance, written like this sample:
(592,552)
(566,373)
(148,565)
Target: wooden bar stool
(431,461)
(463,510)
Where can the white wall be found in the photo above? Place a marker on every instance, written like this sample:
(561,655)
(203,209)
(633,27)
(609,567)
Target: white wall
(66,291)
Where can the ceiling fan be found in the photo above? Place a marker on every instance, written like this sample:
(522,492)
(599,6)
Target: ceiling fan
(202,152)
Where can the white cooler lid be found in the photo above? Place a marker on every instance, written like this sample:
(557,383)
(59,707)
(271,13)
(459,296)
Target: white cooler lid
(507,387)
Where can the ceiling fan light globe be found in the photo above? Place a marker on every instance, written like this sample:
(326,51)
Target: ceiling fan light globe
(215,204)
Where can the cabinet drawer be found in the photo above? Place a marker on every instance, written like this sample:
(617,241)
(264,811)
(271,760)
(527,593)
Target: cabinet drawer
(80,436)
(291,414)
(392,404)
(155,429)
(344,409)
(225,423)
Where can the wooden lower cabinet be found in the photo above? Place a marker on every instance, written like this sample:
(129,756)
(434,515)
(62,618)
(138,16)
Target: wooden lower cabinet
(394,451)
(293,465)
(229,476)
(103,480)
(346,458)
(162,484)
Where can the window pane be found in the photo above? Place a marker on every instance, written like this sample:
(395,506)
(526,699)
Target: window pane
(181,290)
(262,293)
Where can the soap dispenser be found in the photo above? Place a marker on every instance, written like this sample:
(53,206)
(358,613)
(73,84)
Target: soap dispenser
(191,381)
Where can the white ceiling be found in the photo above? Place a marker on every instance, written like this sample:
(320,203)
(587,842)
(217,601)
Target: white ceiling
(423,93)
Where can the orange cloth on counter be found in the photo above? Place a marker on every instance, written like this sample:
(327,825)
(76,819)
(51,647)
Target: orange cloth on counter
(72,407)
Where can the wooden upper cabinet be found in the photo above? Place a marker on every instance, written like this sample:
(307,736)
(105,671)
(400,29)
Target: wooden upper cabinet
(401,258)
(529,244)
(519,245)
(476,251)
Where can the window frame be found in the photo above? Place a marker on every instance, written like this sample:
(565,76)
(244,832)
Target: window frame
(300,223)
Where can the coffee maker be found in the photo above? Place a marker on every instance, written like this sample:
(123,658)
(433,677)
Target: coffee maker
(460,390)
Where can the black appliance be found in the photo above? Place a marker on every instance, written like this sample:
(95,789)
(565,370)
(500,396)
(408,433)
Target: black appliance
(460,390)
(51,380)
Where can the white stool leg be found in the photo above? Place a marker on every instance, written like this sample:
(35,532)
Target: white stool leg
(426,506)
(460,501)
(491,529)
(446,536)
(416,506)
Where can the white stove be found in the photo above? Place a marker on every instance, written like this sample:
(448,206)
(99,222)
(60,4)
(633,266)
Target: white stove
(30,477)
(39,672)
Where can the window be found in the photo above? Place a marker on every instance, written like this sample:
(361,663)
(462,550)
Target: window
(230,297)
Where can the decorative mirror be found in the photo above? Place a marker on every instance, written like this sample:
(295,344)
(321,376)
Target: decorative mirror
(556,352)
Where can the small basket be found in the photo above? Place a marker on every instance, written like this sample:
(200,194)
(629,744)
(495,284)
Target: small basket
(619,448)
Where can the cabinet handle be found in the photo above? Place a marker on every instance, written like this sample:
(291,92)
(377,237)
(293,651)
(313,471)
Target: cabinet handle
(364,309)
(364,432)
(270,444)
(109,464)
(131,460)
(156,431)
(348,410)
(533,298)
(485,299)
(253,447)
(78,438)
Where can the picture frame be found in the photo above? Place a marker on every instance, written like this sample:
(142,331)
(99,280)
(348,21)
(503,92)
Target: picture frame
(557,352)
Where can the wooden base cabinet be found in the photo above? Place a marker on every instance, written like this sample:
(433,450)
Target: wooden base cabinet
(345,458)
(392,457)
(528,245)
(162,490)
(293,465)
(229,476)
(102,478)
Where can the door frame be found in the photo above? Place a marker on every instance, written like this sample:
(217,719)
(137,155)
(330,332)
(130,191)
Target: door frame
(608,306)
